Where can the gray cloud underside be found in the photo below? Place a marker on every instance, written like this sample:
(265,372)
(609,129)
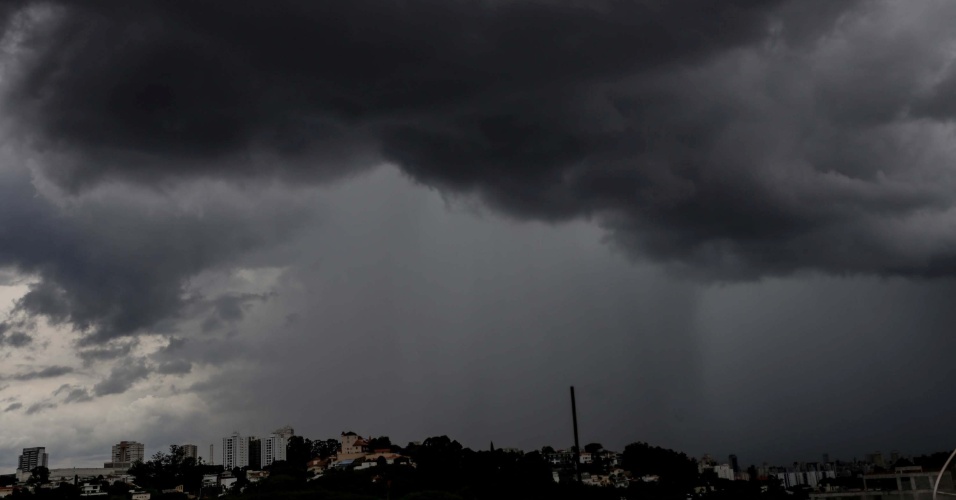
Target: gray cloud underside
(112,268)
(73,394)
(15,339)
(176,367)
(105,353)
(12,334)
(122,377)
(39,407)
(48,372)
(732,141)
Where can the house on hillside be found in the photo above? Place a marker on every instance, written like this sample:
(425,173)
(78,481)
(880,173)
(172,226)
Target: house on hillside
(353,444)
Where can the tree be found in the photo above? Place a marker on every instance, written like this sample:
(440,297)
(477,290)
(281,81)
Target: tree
(298,451)
(168,470)
(593,447)
(241,480)
(431,495)
(325,448)
(118,489)
(547,450)
(672,467)
(380,443)
(39,475)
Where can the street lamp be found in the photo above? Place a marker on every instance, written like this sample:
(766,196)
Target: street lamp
(940,476)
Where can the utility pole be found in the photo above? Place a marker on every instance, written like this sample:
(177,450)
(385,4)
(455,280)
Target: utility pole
(577,446)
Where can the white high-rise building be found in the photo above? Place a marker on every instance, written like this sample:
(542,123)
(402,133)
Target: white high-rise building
(273,447)
(235,451)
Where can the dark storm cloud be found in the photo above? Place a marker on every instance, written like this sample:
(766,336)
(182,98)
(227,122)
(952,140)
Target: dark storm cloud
(48,372)
(731,140)
(133,85)
(13,331)
(13,338)
(17,339)
(122,377)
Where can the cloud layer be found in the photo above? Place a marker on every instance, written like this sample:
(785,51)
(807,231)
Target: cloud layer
(733,141)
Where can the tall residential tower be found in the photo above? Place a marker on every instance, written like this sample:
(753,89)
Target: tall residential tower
(33,458)
(273,448)
(235,451)
(125,453)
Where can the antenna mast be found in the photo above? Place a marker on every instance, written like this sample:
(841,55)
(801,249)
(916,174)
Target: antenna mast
(577,446)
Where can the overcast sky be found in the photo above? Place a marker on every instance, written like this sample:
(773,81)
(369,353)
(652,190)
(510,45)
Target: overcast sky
(732,226)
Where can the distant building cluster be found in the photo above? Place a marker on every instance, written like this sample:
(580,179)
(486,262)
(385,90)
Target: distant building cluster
(253,452)
(606,463)
(354,452)
(31,458)
(123,456)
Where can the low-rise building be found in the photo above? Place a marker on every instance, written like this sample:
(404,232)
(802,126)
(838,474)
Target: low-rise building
(254,476)
(724,471)
(560,457)
(351,446)
(92,490)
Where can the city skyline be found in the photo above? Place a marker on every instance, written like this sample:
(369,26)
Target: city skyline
(731,227)
(880,458)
